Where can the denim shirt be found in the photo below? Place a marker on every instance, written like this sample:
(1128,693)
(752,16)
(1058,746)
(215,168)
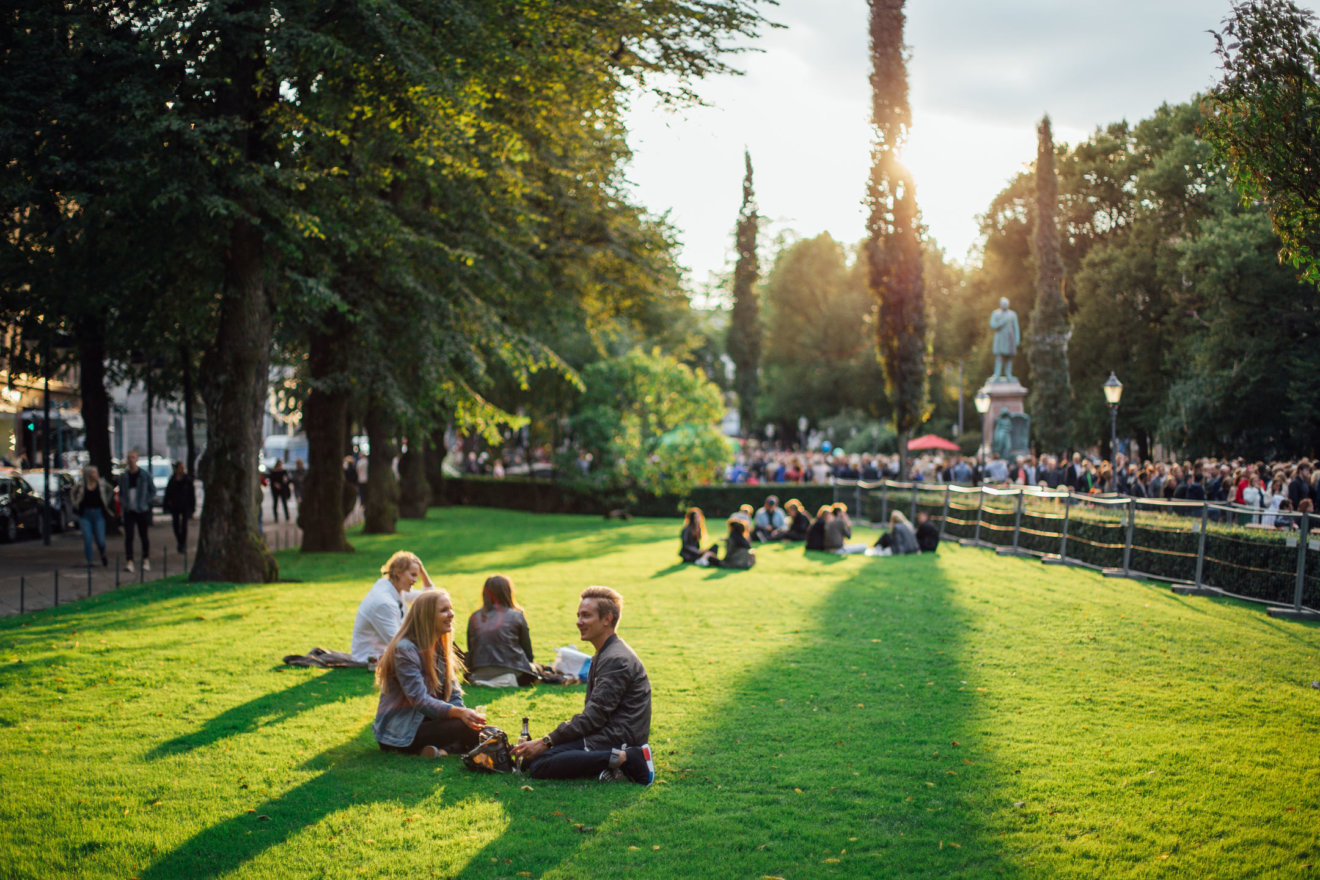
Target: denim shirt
(405,701)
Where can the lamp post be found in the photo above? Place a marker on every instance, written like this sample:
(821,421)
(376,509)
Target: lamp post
(1113,393)
(982,401)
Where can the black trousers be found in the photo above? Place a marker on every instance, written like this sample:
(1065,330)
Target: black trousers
(449,734)
(275,501)
(180,523)
(570,760)
(140,520)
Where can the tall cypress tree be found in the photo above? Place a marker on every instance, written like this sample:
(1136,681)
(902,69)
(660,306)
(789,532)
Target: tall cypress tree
(1050,399)
(744,339)
(893,248)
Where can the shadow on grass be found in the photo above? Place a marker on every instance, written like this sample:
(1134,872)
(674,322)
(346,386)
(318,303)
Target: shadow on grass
(271,708)
(850,752)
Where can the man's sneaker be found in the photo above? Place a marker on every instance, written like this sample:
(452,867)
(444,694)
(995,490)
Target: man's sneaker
(128,566)
(640,767)
(146,565)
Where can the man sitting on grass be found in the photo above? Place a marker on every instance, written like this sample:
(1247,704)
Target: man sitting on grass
(609,737)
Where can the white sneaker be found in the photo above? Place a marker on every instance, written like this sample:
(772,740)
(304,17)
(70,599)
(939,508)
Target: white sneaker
(146,565)
(128,566)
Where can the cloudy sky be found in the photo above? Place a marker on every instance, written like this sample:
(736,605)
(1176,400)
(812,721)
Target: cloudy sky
(981,76)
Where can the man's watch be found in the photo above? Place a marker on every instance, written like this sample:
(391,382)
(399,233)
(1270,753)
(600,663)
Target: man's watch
(545,741)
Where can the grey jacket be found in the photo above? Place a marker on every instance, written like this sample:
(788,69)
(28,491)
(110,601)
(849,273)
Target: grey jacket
(405,701)
(139,498)
(618,705)
(499,636)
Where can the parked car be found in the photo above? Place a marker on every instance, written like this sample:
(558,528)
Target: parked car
(20,507)
(161,469)
(62,515)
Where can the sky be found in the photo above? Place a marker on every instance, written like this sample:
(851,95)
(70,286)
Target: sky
(981,76)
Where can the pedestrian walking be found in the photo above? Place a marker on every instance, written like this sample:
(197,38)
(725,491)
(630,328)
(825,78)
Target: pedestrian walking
(92,500)
(180,503)
(136,493)
(280,487)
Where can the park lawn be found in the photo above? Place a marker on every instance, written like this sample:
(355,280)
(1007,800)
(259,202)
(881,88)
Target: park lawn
(966,715)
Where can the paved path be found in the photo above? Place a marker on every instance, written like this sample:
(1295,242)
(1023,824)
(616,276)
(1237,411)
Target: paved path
(31,573)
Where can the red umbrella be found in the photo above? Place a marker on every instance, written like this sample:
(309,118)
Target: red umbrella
(932,441)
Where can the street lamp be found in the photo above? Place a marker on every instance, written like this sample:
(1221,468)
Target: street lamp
(1113,393)
(982,401)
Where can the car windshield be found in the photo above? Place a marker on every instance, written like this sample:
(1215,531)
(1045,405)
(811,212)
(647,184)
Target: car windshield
(159,470)
(38,482)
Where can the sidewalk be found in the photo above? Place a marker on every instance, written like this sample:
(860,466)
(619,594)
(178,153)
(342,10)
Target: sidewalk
(32,574)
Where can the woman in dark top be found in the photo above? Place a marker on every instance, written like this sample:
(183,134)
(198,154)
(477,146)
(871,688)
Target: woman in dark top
(798,522)
(816,533)
(498,641)
(738,553)
(693,536)
(93,501)
(180,503)
(421,709)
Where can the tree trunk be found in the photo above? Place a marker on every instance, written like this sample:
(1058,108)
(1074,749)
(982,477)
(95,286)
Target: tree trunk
(234,379)
(325,415)
(414,494)
(435,460)
(381,494)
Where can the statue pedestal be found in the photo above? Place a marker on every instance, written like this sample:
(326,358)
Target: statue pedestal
(1008,397)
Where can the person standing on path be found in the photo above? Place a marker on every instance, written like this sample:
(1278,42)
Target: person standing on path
(136,492)
(92,500)
(180,504)
(280,489)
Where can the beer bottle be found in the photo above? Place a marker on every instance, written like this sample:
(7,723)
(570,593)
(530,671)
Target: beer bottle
(523,737)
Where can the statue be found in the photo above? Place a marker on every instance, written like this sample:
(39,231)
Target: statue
(1004,322)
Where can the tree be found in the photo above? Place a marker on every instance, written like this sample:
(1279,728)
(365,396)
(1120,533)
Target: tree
(820,326)
(745,323)
(1051,394)
(1263,119)
(650,423)
(893,251)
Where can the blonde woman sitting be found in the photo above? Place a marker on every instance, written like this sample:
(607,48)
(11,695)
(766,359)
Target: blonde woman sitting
(421,709)
(380,614)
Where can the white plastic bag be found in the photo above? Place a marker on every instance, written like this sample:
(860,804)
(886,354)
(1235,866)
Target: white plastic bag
(570,661)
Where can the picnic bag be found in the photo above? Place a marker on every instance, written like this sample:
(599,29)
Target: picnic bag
(491,754)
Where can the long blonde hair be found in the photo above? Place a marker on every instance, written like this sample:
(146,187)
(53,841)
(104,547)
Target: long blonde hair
(419,628)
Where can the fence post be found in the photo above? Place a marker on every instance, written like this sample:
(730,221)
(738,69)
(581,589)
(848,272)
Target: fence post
(980,505)
(1301,561)
(22,593)
(1200,546)
(884,501)
(857,496)
(834,493)
(912,517)
(1127,544)
(116,571)
(944,518)
(89,582)
(57,587)
(1017,522)
(1063,540)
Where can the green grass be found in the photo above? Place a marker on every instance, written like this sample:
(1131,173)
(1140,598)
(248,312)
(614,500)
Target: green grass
(959,716)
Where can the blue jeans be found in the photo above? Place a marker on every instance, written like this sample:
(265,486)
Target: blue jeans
(93,527)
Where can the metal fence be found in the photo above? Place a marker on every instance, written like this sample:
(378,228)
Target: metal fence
(1203,548)
(62,584)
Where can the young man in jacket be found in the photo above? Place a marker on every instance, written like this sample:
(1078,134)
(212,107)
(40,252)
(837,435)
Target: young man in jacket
(136,492)
(608,739)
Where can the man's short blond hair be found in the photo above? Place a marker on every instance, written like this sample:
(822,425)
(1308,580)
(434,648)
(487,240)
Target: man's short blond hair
(607,601)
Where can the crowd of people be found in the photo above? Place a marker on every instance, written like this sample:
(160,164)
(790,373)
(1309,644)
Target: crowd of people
(407,634)
(829,532)
(1270,489)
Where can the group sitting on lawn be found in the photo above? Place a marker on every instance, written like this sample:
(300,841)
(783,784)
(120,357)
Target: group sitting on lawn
(409,637)
(829,532)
